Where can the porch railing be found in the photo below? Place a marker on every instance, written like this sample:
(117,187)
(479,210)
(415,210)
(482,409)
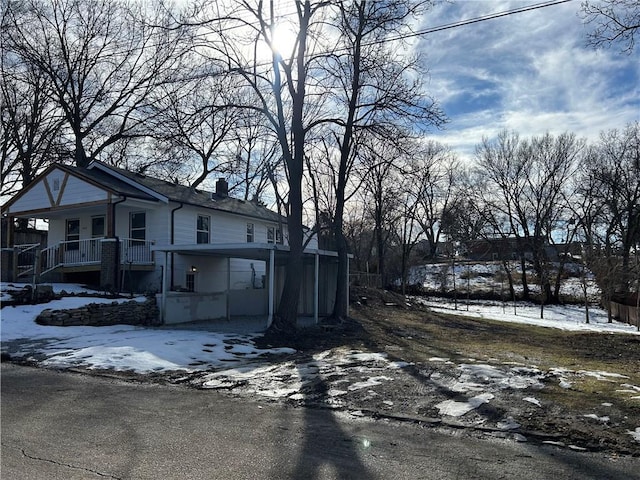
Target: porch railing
(89,252)
(71,253)
(136,252)
(26,258)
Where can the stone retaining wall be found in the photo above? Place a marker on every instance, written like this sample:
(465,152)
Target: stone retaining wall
(103,314)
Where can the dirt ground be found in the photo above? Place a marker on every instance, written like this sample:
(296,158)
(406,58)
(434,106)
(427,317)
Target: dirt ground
(571,389)
(593,410)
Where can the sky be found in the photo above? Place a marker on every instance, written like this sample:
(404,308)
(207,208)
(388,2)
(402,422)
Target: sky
(530,72)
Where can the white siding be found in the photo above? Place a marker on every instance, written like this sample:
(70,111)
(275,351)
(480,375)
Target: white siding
(156,223)
(34,199)
(78,191)
(56,231)
(225,227)
(57,226)
(73,191)
(184,224)
(210,275)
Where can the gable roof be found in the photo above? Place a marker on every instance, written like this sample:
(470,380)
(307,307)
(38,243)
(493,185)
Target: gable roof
(98,179)
(122,182)
(188,195)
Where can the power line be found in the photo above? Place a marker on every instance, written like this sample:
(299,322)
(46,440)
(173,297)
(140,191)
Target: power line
(435,29)
(471,21)
(448,26)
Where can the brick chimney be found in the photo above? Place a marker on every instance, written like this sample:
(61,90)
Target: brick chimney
(222,187)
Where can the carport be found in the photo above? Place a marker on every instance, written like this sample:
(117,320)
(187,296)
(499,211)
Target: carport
(317,289)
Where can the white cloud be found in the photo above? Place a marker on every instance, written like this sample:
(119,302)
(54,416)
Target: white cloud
(530,72)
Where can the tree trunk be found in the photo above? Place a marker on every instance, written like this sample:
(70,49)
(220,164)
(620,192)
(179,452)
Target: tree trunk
(380,247)
(81,159)
(340,306)
(512,291)
(287,313)
(525,285)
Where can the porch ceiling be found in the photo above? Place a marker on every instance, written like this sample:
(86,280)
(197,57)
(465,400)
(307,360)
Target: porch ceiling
(251,251)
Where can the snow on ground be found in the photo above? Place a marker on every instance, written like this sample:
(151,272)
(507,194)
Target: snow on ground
(564,317)
(120,347)
(232,361)
(489,277)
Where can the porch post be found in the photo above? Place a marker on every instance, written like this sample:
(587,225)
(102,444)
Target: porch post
(347,285)
(6,262)
(228,288)
(11,225)
(109,264)
(316,287)
(271,282)
(163,298)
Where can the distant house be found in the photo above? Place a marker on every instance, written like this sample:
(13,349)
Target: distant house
(512,248)
(208,255)
(498,248)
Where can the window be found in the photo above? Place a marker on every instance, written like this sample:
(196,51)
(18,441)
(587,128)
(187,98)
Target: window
(274,235)
(190,282)
(72,234)
(97,227)
(249,232)
(137,229)
(203,229)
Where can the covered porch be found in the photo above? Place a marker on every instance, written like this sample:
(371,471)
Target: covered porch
(35,262)
(216,299)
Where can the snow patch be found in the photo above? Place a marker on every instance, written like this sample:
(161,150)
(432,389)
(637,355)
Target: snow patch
(533,400)
(458,409)
(371,382)
(596,417)
(508,424)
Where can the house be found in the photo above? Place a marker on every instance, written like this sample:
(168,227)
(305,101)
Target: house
(513,248)
(497,248)
(206,255)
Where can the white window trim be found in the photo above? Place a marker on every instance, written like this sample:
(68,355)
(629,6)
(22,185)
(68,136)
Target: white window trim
(208,231)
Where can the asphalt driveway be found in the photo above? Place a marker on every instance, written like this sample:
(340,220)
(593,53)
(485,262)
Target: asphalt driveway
(63,425)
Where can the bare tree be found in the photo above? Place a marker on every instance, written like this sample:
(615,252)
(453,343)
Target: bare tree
(613,22)
(381,166)
(193,126)
(280,82)
(375,93)
(437,171)
(101,58)
(359,231)
(523,191)
(256,157)
(30,124)
(613,175)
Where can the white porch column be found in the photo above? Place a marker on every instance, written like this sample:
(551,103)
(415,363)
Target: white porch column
(163,298)
(228,288)
(347,286)
(316,287)
(272,266)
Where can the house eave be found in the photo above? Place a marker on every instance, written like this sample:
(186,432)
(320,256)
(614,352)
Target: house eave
(128,181)
(254,251)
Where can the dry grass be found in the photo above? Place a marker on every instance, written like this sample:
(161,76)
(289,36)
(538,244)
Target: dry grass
(416,334)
